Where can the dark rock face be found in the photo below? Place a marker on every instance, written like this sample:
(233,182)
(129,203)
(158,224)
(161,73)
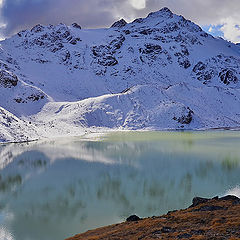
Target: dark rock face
(167,230)
(119,24)
(164,11)
(182,57)
(199,67)
(230,198)
(104,55)
(198,200)
(234,199)
(184,63)
(74,41)
(35,97)
(133,218)
(51,37)
(8,79)
(66,56)
(138,20)
(110,49)
(209,70)
(117,43)
(228,76)
(151,48)
(187,118)
(211,207)
(32,98)
(108,61)
(151,52)
(75,25)
(147,31)
(202,73)
(37,28)
(21,33)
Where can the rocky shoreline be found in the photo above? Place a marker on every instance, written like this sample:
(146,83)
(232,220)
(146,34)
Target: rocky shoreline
(216,218)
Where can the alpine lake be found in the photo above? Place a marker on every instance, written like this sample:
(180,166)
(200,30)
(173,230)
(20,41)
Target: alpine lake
(54,189)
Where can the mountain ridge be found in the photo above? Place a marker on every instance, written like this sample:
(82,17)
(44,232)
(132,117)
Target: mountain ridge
(160,72)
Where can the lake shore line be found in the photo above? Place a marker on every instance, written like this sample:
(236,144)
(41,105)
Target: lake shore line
(101,133)
(216,218)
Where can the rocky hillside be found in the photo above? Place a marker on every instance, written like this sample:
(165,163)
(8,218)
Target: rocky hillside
(216,218)
(158,72)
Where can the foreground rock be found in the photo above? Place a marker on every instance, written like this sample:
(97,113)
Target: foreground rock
(217,218)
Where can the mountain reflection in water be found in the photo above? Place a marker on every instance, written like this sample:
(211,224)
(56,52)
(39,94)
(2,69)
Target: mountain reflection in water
(54,189)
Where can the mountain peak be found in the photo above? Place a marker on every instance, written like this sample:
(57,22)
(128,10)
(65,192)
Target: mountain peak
(76,25)
(166,12)
(165,9)
(37,28)
(66,81)
(120,23)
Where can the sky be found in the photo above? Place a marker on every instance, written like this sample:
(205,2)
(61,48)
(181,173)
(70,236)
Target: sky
(218,17)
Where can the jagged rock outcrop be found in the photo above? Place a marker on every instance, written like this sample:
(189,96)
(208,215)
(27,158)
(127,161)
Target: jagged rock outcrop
(50,37)
(218,68)
(119,24)
(228,76)
(186,117)
(8,79)
(75,25)
(37,28)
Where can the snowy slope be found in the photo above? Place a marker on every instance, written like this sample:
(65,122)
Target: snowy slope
(15,129)
(158,72)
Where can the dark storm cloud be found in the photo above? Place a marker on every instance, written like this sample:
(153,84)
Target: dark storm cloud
(22,14)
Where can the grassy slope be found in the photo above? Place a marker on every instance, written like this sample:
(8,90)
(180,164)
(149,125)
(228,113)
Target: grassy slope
(199,222)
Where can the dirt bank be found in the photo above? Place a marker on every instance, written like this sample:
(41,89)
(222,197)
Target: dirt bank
(217,218)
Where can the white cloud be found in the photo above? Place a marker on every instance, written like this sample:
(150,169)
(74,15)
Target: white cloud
(138,4)
(231,29)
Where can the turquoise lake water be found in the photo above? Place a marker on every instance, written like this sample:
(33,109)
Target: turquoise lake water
(51,190)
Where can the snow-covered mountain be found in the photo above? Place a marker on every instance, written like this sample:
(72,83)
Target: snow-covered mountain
(158,72)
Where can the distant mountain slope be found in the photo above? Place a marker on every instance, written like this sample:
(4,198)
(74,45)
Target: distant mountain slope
(158,72)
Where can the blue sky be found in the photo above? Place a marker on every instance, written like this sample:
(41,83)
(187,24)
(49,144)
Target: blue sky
(218,17)
(214,30)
